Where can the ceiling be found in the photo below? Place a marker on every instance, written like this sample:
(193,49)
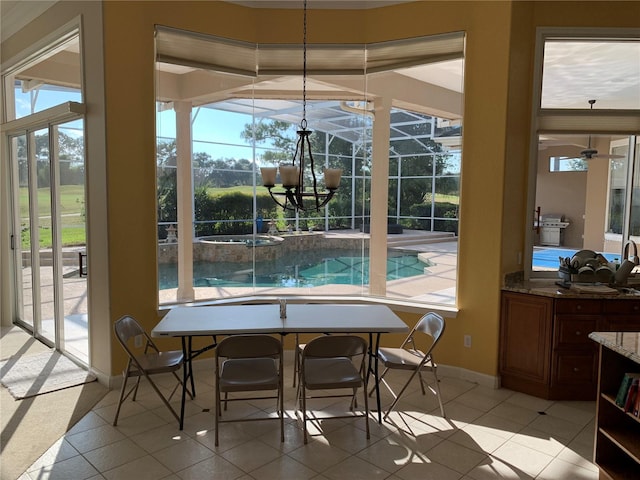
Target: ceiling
(15,14)
(573,73)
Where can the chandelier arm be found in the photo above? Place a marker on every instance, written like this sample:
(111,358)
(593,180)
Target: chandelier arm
(273,197)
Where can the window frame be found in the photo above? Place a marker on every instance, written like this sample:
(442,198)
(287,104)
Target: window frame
(568,121)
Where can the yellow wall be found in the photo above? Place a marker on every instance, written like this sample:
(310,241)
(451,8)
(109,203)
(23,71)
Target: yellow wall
(497,116)
(498,60)
(129,73)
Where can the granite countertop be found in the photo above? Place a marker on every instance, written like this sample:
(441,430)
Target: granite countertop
(549,288)
(624,343)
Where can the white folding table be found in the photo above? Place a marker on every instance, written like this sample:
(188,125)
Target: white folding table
(210,321)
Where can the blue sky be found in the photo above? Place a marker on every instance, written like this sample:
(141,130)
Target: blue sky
(210,126)
(214,132)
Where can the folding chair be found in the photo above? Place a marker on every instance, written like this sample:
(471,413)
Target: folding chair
(409,357)
(145,361)
(249,363)
(329,363)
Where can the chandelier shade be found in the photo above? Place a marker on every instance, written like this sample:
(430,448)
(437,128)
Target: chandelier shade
(293,194)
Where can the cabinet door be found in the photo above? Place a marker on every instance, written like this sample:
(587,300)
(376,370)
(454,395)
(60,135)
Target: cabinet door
(525,338)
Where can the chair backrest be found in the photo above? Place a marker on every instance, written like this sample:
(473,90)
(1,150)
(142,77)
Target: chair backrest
(335,346)
(126,328)
(432,324)
(249,346)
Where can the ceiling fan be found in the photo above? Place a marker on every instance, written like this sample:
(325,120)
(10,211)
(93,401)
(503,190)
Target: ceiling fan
(589,152)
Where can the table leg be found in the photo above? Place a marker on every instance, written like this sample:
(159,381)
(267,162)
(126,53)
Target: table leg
(187,375)
(193,387)
(373,358)
(375,366)
(186,372)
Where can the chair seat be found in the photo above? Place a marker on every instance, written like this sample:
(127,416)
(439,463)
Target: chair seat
(161,362)
(242,374)
(400,359)
(330,373)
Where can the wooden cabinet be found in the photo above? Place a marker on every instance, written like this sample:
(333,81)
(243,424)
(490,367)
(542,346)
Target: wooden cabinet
(544,345)
(617,442)
(525,331)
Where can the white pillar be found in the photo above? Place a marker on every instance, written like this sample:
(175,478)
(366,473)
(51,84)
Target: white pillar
(184,192)
(379,197)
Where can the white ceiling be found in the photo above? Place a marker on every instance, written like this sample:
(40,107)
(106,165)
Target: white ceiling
(15,14)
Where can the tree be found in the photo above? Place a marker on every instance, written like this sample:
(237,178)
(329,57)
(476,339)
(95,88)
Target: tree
(280,135)
(167,199)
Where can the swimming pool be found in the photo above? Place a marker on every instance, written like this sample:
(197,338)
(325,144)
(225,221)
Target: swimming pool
(298,270)
(548,258)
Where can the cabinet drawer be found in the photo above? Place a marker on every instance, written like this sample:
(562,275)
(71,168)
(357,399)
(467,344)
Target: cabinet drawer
(622,323)
(579,306)
(622,307)
(574,331)
(572,368)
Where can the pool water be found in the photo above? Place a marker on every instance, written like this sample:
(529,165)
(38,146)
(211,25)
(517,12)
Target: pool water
(298,270)
(548,258)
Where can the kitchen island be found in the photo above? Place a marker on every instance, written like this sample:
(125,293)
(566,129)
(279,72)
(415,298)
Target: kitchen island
(617,437)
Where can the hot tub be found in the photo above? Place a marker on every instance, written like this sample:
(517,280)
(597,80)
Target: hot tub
(241,240)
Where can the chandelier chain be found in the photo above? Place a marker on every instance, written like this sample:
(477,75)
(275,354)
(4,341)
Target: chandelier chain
(294,196)
(303,122)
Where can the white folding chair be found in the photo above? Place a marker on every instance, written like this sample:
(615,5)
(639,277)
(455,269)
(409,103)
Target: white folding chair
(409,357)
(329,363)
(145,361)
(249,363)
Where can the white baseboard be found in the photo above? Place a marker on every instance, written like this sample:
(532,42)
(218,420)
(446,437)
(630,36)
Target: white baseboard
(483,379)
(107,380)
(208,365)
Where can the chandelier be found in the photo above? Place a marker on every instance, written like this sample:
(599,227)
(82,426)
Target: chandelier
(295,195)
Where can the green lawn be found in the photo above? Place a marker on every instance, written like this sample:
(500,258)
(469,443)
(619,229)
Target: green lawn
(71,212)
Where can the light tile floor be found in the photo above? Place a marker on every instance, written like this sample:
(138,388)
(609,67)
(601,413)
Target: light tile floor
(488,434)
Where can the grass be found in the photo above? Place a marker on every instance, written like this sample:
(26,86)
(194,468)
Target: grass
(71,209)
(244,189)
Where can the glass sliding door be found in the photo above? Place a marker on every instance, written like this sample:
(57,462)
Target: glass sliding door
(42,123)
(51,251)
(41,240)
(71,236)
(22,241)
